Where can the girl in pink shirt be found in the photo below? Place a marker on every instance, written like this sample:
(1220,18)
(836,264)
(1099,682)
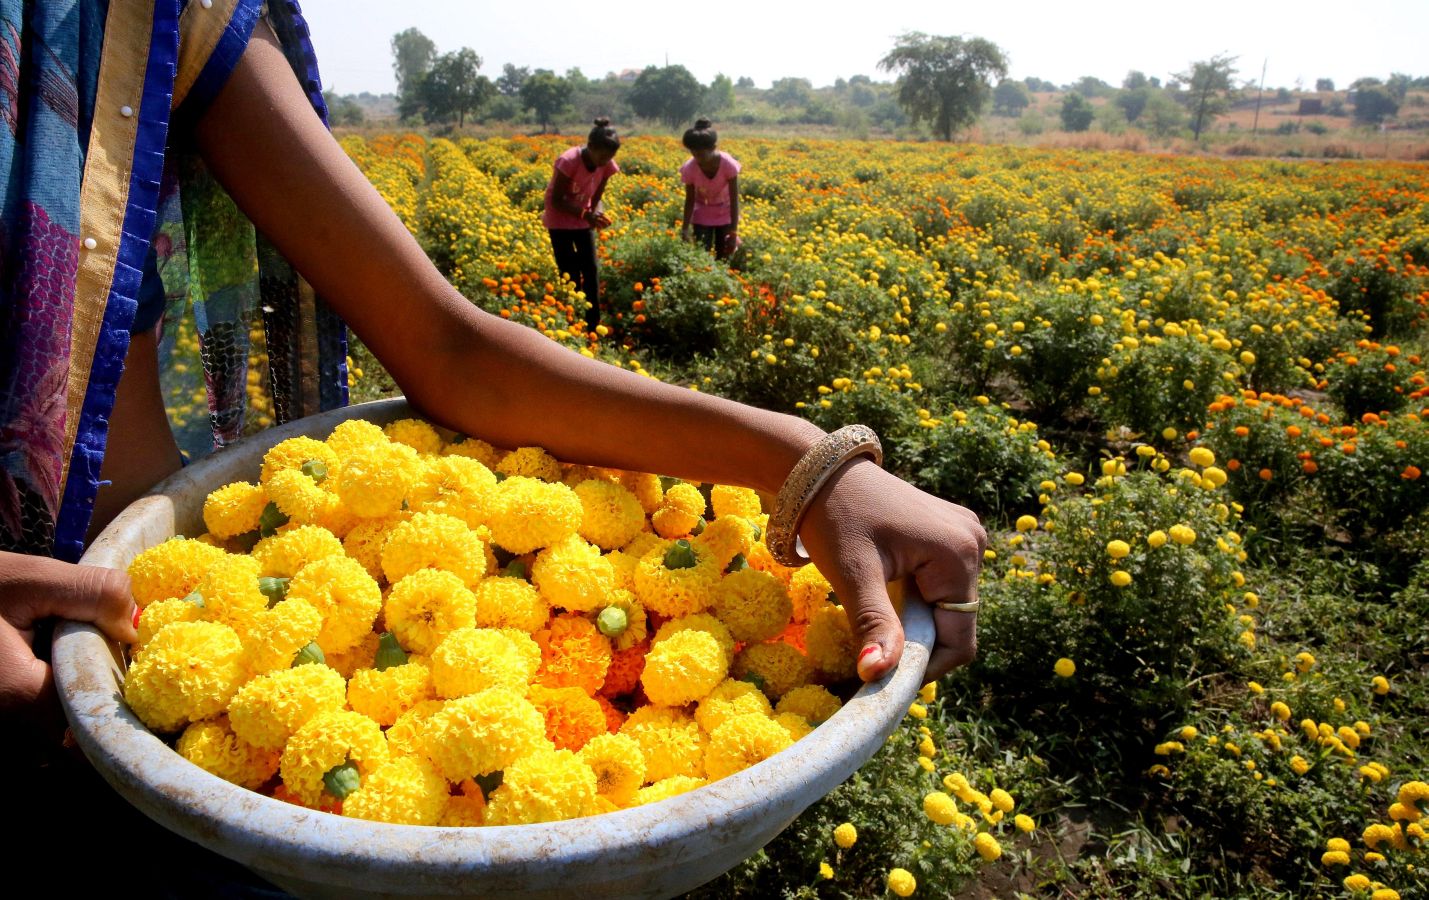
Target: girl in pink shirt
(711,179)
(573,211)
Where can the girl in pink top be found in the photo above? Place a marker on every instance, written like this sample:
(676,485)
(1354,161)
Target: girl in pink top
(711,179)
(573,211)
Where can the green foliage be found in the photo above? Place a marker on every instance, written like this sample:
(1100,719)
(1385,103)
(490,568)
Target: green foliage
(1207,82)
(1010,98)
(1371,378)
(670,94)
(1060,336)
(1076,113)
(545,93)
(944,81)
(453,88)
(1158,382)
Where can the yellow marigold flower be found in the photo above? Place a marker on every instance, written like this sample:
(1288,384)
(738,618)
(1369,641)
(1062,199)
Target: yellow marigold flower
(622,619)
(325,742)
(754,605)
(1304,661)
(1334,858)
(347,663)
(812,702)
(1202,456)
(527,514)
(845,835)
(530,462)
(503,602)
(730,698)
(1183,535)
(1156,539)
(234,509)
(300,498)
(415,433)
(928,692)
(1414,794)
(470,660)
(741,741)
(364,542)
(1310,729)
(776,668)
(212,746)
(1024,823)
(475,449)
(1117,549)
(572,716)
(611,516)
(940,808)
(1168,748)
(479,734)
(678,581)
(1339,844)
(270,708)
(383,695)
(672,522)
(453,486)
(760,558)
(1299,765)
(171,569)
(154,617)
(686,498)
(826,871)
(683,668)
(406,790)
(350,434)
(573,654)
(831,643)
(901,882)
(374,479)
(618,764)
(426,606)
(643,543)
(734,501)
(571,574)
(1026,523)
(1002,800)
(1256,688)
(435,541)
(1064,668)
(728,537)
(671,741)
(623,564)
(407,735)
(1380,685)
(1280,711)
(797,726)
(703,622)
(1120,578)
(293,453)
(273,637)
(646,488)
(283,554)
(927,748)
(1371,773)
(987,846)
(808,590)
(665,788)
(1357,883)
(188,672)
(348,598)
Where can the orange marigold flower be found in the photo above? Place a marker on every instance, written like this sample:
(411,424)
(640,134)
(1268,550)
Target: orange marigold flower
(572,716)
(1410,473)
(573,654)
(626,666)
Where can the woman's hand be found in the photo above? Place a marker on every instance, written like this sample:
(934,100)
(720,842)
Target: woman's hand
(867,528)
(33,588)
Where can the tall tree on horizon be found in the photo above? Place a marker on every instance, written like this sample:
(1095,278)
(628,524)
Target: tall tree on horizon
(944,80)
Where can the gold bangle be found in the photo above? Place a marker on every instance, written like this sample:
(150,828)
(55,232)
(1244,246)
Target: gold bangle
(968,607)
(810,474)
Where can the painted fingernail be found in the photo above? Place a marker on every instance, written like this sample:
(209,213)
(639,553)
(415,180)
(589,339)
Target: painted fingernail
(869,659)
(135,616)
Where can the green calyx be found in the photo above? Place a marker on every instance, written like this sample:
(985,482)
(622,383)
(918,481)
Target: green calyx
(758,532)
(342,780)
(315,469)
(312,653)
(490,782)
(680,555)
(389,653)
(612,621)
(755,679)
(195,598)
(667,482)
(271,520)
(275,589)
(738,564)
(517,569)
(699,528)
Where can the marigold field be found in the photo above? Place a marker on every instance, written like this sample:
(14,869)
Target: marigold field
(1187,396)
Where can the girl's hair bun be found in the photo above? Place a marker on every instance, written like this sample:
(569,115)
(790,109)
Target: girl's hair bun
(702,124)
(602,122)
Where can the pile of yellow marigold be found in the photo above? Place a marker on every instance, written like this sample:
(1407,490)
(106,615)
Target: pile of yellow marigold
(399,628)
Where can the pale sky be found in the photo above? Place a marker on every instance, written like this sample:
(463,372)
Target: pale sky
(822,41)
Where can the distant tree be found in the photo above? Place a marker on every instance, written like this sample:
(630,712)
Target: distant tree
(1398,85)
(720,95)
(862,93)
(1374,103)
(1154,81)
(1134,80)
(670,94)
(1077,113)
(454,88)
(1162,116)
(744,82)
(788,92)
(1324,84)
(508,84)
(343,110)
(1089,86)
(545,93)
(944,80)
(1037,85)
(840,84)
(412,56)
(1010,98)
(577,79)
(1132,101)
(1207,82)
